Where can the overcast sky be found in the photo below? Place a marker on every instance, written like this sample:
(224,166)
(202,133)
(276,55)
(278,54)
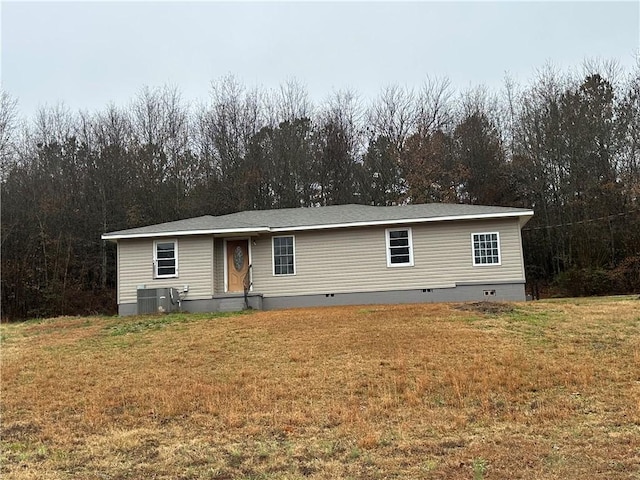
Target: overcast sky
(88,54)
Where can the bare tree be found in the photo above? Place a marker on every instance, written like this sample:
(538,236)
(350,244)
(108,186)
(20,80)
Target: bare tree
(8,120)
(628,114)
(289,103)
(52,124)
(393,115)
(339,140)
(225,128)
(434,106)
(159,121)
(508,114)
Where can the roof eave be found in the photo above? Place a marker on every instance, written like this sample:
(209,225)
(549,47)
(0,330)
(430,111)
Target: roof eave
(182,233)
(524,216)
(527,213)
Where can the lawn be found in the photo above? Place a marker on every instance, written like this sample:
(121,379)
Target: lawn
(542,390)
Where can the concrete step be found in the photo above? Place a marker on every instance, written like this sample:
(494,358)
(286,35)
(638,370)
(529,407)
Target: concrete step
(231,304)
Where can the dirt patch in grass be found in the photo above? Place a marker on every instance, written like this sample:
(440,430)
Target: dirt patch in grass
(536,390)
(491,308)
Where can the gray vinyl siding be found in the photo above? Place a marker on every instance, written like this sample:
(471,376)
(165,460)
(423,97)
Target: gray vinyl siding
(195,267)
(354,259)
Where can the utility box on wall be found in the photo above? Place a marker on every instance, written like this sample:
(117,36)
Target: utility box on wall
(158,300)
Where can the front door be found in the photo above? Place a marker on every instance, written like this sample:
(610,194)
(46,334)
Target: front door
(237,264)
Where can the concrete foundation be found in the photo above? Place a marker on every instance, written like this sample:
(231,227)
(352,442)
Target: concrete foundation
(460,293)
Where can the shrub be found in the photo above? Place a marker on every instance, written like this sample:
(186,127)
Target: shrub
(626,276)
(581,282)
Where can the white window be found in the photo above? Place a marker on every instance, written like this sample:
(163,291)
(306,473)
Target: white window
(165,258)
(486,248)
(284,256)
(399,247)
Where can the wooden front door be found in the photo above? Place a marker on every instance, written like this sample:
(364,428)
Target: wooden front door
(237,264)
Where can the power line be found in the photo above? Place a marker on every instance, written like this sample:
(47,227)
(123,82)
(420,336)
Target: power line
(582,222)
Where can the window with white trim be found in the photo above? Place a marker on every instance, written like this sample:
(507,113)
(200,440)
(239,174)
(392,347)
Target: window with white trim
(165,258)
(486,248)
(284,255)
(399,247)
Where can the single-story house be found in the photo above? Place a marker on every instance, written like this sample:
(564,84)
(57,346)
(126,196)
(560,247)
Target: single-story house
(334,255)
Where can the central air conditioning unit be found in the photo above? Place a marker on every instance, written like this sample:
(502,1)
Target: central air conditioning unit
(158,300)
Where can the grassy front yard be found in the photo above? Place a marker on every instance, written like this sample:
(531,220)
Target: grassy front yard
(544,390)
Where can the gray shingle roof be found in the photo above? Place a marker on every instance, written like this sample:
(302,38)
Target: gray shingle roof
(333,216)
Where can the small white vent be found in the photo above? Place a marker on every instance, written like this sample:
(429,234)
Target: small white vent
(489,293)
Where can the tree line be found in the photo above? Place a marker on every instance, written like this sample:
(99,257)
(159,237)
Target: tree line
(566,145)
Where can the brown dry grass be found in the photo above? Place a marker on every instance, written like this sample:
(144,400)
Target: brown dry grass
(549,389)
